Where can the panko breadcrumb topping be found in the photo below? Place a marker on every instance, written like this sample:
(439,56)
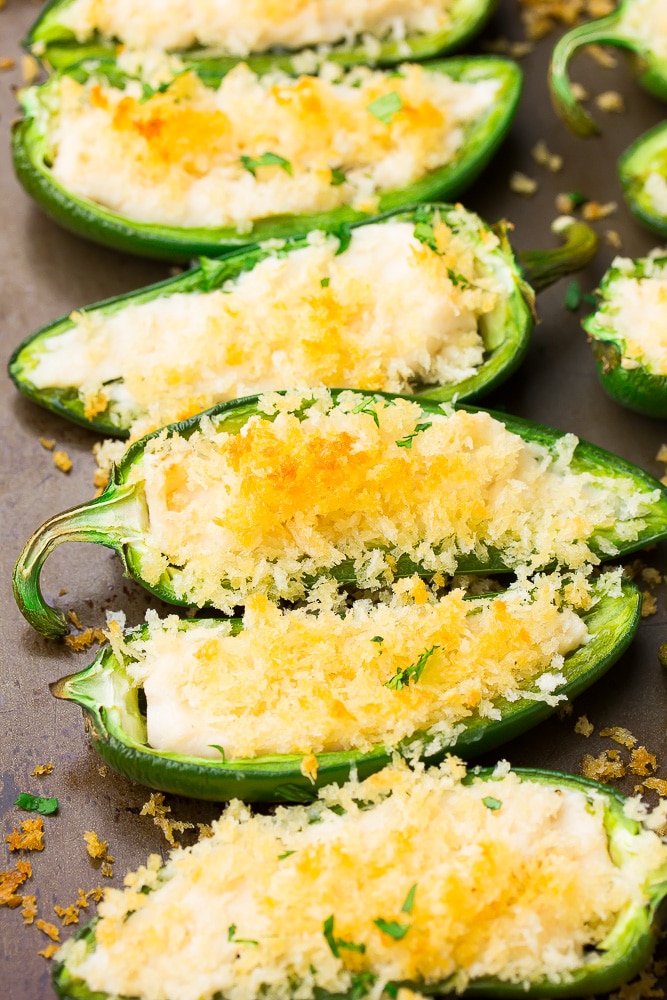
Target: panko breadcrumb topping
(583,727)
(156,807)
(31,837)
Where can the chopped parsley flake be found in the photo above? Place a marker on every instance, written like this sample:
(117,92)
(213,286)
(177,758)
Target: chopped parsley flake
(268,159)
(324,282)
(361,984)
(220,750)
(409,900)
(231,936)
(392,928)
(492,803)
(377,638)
(404,675)
(366,406)
(37,804)
(335,944)
(425,233)
(458,280)
(384,108)
(285,854)
(406,442)
(337,177)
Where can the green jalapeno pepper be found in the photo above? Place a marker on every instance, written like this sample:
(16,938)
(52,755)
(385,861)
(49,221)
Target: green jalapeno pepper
(33,151)
(54,42)
(504,331)
(120,517)
(629,27)
(630,376)
(115,717)
(613,961)
(643,172)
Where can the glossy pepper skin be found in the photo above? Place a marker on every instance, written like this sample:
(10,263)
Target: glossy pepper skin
(614,29)
(119,517)
(628,946)
(116,722)
(57,45)
(31,154)
(646,157)
(632,385)
(506,334)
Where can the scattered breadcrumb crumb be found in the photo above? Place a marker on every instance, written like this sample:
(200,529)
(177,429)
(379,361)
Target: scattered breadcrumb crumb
(205,830)
(539,17)
(620,735)
(29,909)
(651,576)
(506,47)
(6,63)
(642,763)
(579,92)
(32,837)
(102,770)
(605,767)
(96,894)
(593,210)
(107,869)
(42,769)
(309,767)
(82,900)
(9,883)
(96,848)
(156,808)
(662,453)
(564,710)
(522,184)
(541,154)
(658,785)
(584,727)
(49,929)
(79,643)
(649,604)
(75,620)
(47,443)
(30,69)
(68,914)
(602,56)
(610,100)
(61,460)
(100,479)
(613,239)
(49,951)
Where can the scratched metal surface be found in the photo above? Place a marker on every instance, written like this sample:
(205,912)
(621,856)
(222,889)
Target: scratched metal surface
(45,272)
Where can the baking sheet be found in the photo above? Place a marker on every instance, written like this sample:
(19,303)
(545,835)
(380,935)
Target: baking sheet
(45,272)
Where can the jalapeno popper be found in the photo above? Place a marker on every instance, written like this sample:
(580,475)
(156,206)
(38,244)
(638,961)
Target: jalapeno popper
(639,26)
(182,165)
(504,884)
(629,333)
(276,493)
(223,31)
(643,172)
(429,301)
(168,704)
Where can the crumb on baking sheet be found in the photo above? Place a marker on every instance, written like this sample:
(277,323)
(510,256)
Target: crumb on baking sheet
(605,767)
(621,735)
(31,837)
(584,727)
(6,63)
(613,239)
(47,443)
(29,909)
(30,69)
(545,158)
(594,210)
(642,763)
(9,883)
(95,847)
(610,100)
(49,951)
(42,769)
(50,930)
(539,17)
(649,604)
(503,46)
(61,460)
(68,914)
(522,184)
(79,643)
(602,56)
(155,807)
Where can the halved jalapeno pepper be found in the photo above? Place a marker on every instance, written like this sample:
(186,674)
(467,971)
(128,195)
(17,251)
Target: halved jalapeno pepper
(54,40)
(218,345)
(627,332)
(643,172)
(276,493)
(114,707)
(640,27)
(35,150)
(588,827)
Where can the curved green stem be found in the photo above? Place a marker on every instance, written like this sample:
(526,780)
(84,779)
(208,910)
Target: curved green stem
(99,520)
(542,268)
(603,31)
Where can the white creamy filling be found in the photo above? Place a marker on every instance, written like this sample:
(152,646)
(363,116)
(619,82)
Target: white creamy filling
(646,21)
(637,311)
(192,156)
(293,682)
(655,186)
(238,28)
(497,878)
(385,315)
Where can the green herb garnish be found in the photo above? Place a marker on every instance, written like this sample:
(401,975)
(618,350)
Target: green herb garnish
(406,442)
(251,163)
(361,984)
(324,282)
(337,177)
(409,900)
(492,803)
(285,854)
(220,750)
(366,406)
(231,936)
(335,944)
(37,804)
(424,231)
(458,280)
(392,928)
(384,108)
(377,638)
(404,675)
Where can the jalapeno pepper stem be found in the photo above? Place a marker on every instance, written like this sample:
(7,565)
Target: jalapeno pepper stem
(95,521)
(603,31)
(542,268)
